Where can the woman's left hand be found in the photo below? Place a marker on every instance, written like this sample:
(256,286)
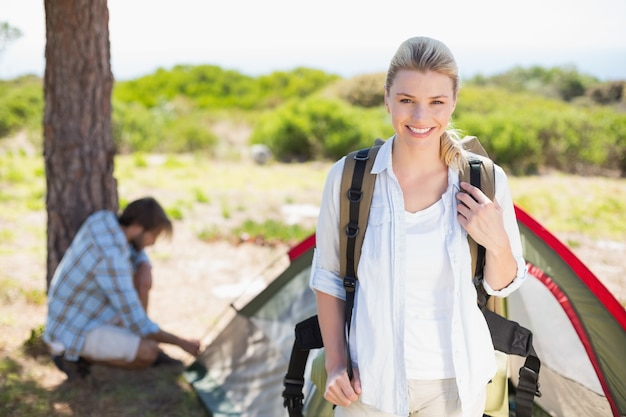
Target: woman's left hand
(481,217)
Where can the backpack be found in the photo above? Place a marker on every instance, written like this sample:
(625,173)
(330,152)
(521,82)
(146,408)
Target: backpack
(357,186)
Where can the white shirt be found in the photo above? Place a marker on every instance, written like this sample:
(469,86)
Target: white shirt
(377,334)
(428,296)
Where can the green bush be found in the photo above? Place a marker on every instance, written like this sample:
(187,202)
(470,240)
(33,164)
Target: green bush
(135,128)
(367,90)
(564,83)
(608,93)
(285,132)
(307,114)
(271,231)
(281,86)
(526,132)
(21,104)
(318,128)
(211,87)
(160,129)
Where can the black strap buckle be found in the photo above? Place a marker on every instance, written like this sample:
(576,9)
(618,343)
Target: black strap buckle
(298,383)
(529,381)
(293,403)
(293,396)
(349,283)
(354,196)
(362,155)
(352,230)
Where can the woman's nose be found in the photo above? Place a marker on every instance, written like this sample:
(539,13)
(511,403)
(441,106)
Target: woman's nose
(419,112)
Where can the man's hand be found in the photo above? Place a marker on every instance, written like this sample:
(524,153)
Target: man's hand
(190,346)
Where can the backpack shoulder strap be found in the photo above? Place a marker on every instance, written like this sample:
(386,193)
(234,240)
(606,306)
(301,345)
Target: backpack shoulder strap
(357,188)
(507,336)
(479,167)
(478,171)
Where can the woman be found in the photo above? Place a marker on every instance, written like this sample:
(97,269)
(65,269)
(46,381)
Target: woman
(419,345)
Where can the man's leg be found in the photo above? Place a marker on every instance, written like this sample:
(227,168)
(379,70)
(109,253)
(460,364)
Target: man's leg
(117,346)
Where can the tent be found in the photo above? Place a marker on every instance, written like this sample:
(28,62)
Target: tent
(582,345)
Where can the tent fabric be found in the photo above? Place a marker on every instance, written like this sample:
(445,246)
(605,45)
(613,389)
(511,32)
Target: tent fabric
(578,333)
(585,337)
(240,374)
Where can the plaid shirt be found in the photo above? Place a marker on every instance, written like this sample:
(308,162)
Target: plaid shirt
(93,286)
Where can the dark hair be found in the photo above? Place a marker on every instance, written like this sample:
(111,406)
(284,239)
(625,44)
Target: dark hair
(149,214)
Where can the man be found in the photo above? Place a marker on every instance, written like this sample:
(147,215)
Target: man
(95,314)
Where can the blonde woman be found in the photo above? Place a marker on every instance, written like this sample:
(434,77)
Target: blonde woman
(419,345)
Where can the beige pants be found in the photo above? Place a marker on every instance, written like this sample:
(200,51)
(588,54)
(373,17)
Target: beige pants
(108,342)
(439,398)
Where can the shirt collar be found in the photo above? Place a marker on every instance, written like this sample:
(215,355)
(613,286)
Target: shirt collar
(383,159)
(383,162)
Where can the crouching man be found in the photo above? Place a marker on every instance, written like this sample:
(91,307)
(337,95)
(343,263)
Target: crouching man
(95,314)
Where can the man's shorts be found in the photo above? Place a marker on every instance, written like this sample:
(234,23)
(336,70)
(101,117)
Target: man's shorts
(110,343)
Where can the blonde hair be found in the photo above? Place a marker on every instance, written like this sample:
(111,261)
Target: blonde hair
(426,54)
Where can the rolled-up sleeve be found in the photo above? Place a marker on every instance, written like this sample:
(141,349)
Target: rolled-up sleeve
(325,270)
(138,257)
(503,195)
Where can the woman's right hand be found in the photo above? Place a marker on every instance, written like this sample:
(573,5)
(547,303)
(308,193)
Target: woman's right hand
(340,390)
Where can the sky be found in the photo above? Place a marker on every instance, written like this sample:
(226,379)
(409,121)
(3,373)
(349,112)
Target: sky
(345,37)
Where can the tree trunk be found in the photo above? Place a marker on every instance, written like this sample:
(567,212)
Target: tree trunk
(78,143)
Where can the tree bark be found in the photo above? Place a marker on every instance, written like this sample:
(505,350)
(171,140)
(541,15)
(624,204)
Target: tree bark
(78,143)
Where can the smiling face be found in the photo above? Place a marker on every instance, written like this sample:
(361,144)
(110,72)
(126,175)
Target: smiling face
(420,104)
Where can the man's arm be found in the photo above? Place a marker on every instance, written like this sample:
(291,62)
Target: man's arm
(190,346)
(142,280)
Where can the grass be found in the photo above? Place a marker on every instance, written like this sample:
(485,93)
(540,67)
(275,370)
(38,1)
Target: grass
(247,200)
(593,206)
(119,393)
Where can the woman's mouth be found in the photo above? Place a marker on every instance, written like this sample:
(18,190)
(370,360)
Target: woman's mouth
(418,131)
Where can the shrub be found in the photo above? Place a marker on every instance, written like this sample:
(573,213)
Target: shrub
(188,134)
(608,93)
(135,128)
(281,86)
(564,83)
(211,87)
(21,104)
(160,129)
(526,132)
(318,128)
(365,90)
(285,132)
